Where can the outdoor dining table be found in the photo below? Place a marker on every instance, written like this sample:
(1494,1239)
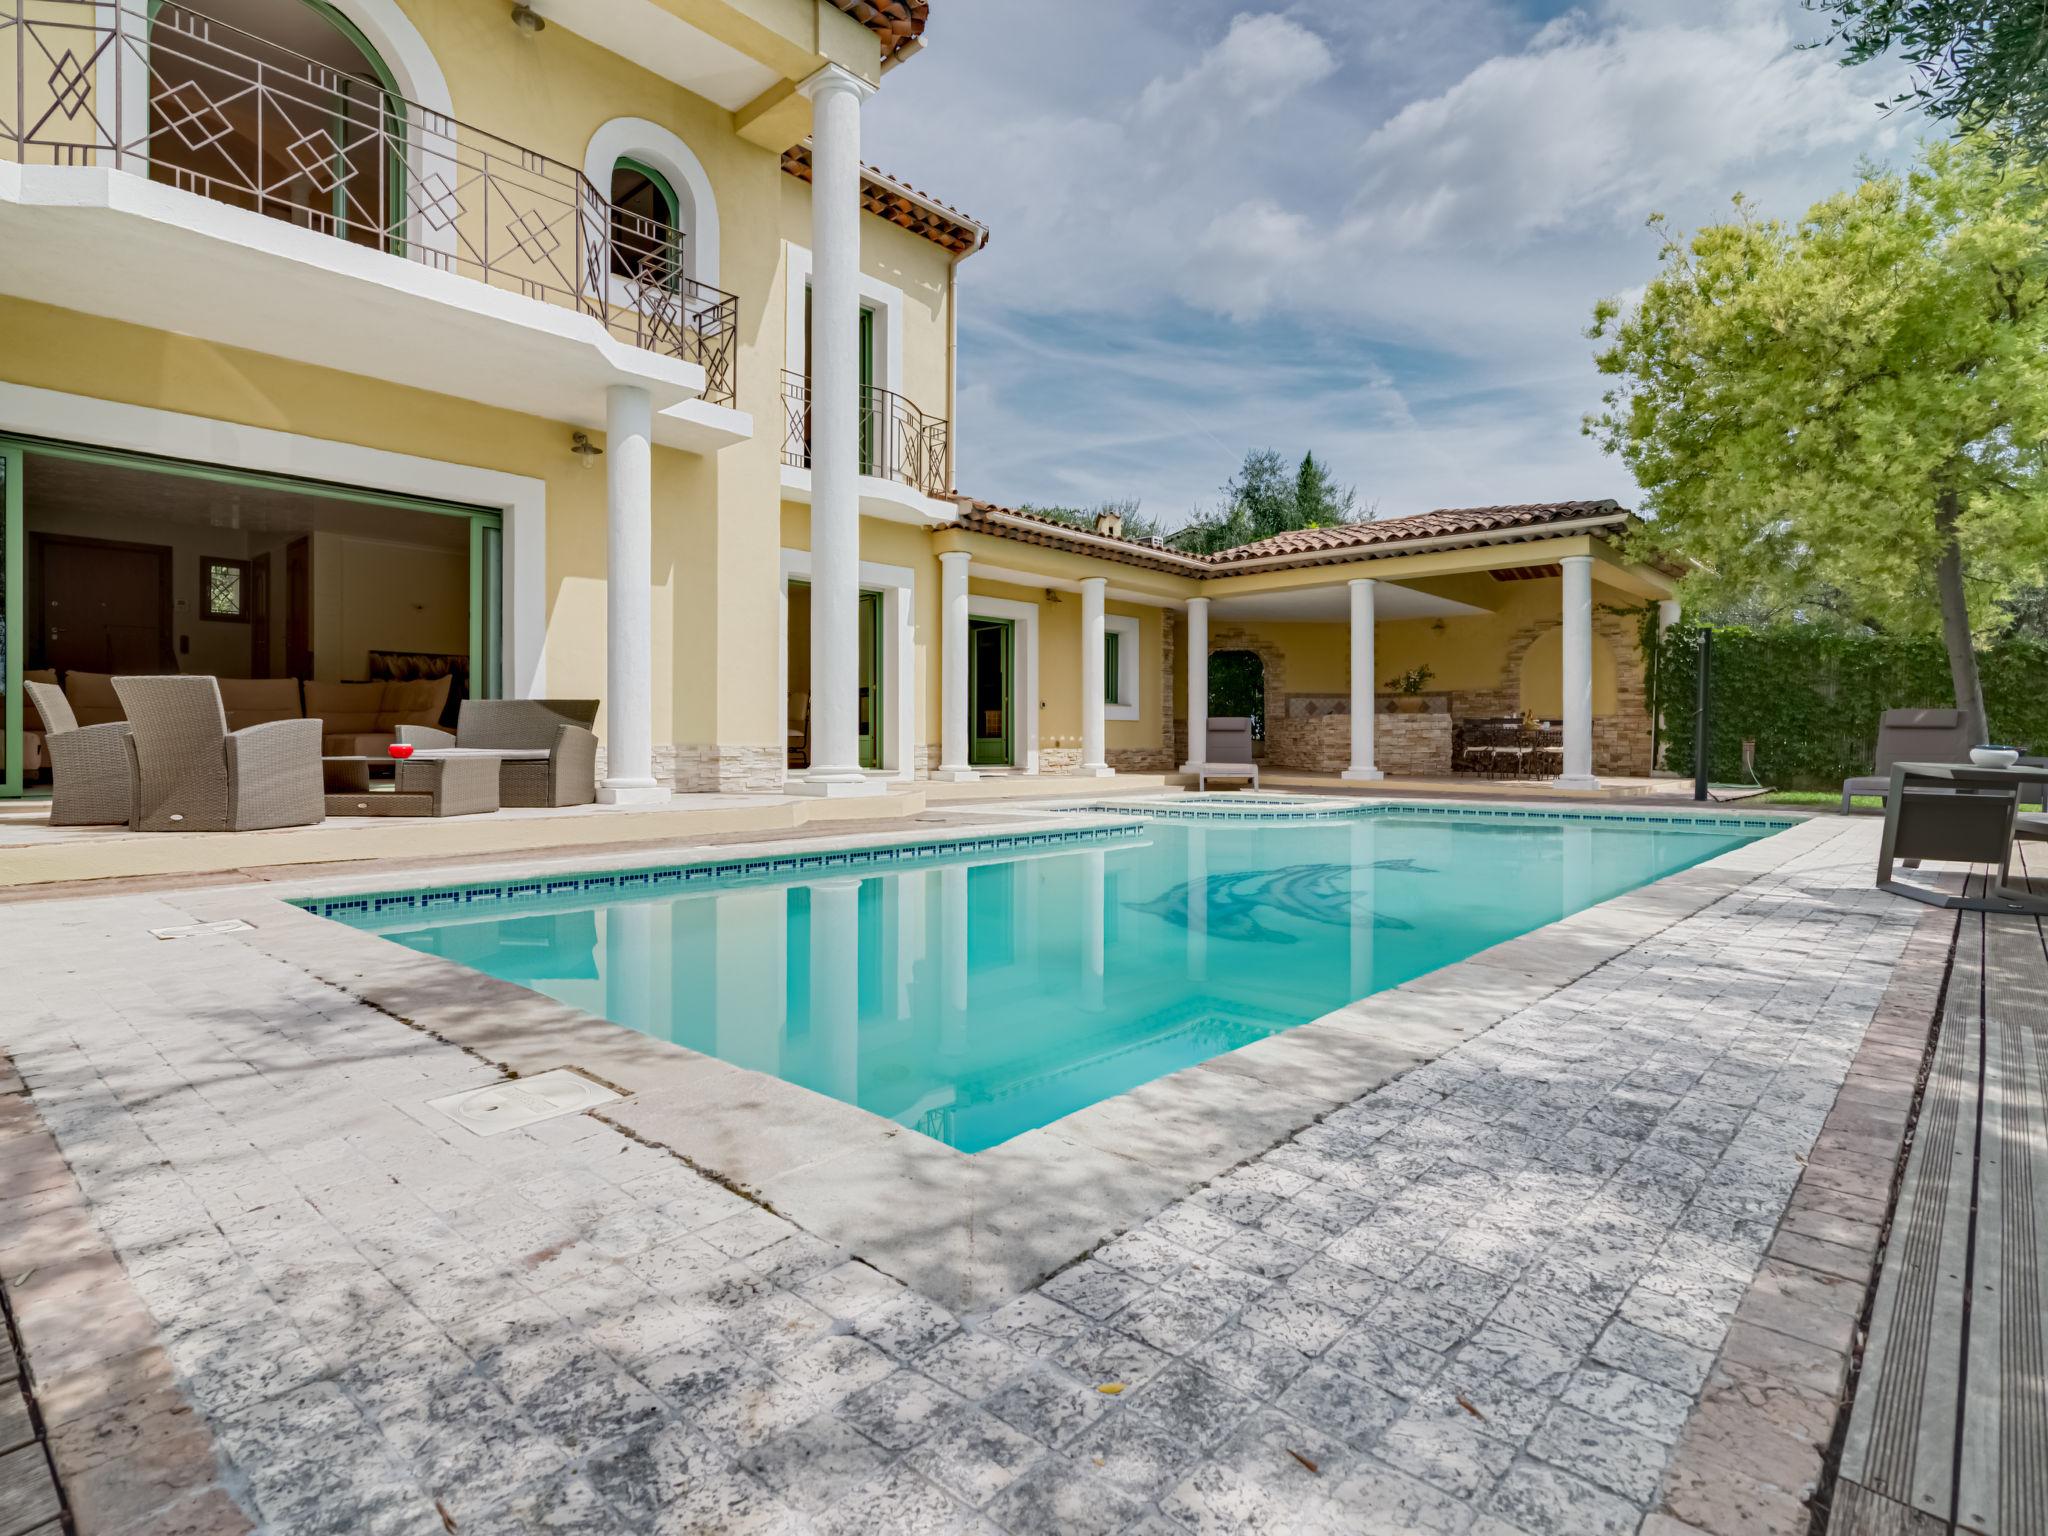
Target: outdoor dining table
(1958,813)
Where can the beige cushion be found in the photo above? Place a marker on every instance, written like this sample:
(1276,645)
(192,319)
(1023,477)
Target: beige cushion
(355,743)
(92,698)
(345,707)
(259,700)
(419,702)
(31,751)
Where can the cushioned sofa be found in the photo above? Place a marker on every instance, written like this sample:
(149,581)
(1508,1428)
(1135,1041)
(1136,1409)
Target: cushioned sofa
(357,719)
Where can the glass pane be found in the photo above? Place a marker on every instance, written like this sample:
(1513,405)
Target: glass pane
(1111,642)
(224,590)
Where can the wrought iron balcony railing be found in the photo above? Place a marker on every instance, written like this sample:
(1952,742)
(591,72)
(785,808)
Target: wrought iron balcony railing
(897,441)
(167,92)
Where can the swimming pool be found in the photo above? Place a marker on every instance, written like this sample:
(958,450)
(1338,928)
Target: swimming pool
(977,988)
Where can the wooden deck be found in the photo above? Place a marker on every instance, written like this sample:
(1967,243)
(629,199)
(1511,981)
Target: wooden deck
(28,1493)
(1948,1428)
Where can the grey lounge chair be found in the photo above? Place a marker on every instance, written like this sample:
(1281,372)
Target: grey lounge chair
(88,764)
(549,751)
(1230,751)
(192,774)
(1911,736)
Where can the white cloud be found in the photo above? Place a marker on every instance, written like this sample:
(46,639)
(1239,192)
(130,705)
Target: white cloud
(1603,124)
(1260,63)
(1428,198)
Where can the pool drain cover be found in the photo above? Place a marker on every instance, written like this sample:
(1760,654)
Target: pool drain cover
(523,1101)
(193,930)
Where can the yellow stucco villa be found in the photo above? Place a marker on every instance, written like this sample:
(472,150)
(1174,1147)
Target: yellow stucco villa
(573,352)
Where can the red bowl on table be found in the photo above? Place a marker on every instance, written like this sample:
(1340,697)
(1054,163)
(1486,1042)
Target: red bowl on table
(400,750)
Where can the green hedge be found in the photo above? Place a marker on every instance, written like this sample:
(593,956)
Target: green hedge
(1811,697)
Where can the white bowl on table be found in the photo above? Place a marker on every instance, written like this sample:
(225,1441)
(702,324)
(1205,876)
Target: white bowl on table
(1994,757)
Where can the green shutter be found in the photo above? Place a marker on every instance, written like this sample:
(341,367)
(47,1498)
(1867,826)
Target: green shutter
(1112,673)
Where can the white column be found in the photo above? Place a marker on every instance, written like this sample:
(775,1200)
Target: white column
(1578,675)
(629,600)
(1094,759)
(836,95)
(1362,765)
(1198,684)
(954,684)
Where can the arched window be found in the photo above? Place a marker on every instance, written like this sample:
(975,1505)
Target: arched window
(647,224)
(285,109)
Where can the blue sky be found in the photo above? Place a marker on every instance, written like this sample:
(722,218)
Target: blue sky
(1371,228)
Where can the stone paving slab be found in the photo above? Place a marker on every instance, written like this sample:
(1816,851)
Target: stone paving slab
(1488,1297)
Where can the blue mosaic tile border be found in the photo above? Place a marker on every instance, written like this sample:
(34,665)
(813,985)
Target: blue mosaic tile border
(638,882)
(1271,812)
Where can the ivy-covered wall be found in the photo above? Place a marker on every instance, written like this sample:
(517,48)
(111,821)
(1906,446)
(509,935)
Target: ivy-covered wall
(1811,698)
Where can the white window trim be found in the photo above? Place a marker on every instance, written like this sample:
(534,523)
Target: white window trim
(638,139)
(1024,687)
(898,586)
(521,499)
(1128,627)
(883,298)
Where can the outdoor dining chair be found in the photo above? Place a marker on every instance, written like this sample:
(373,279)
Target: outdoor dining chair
(88,764)
(1911,736)
(192,774)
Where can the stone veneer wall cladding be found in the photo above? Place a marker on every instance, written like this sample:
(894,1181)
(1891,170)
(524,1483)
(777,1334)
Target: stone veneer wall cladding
(1406,744)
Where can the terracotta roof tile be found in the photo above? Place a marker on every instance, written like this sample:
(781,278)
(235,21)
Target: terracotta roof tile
(1422,525)
(897,24)
(1051,533)
(903,205)
(1309,546)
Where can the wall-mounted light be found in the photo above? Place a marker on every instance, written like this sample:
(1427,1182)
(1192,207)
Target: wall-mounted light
(526,18)
(584,449)
(1051,595)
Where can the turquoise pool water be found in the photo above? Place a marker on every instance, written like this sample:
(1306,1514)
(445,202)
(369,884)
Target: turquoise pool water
(975,994)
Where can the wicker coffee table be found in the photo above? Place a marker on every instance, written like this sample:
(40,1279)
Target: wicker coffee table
(459,784)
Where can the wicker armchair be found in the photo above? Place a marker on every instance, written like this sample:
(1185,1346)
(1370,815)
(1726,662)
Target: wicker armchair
(192,774)
(88,763)
(549,750)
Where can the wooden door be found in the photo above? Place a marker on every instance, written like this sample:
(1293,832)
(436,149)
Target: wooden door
(100,605)
(298,609)
(259,615)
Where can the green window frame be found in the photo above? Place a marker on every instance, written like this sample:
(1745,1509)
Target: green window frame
(1112,668)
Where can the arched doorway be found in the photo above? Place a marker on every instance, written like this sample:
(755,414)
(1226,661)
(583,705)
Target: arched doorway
(282,107)
(1237,686)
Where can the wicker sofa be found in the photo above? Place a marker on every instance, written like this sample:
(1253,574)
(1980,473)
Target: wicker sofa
(357,719)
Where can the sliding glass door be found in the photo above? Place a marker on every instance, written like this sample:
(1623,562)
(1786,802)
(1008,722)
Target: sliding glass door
(117,561)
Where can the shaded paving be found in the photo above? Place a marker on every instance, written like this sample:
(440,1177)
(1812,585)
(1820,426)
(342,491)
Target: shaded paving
(1483,1298)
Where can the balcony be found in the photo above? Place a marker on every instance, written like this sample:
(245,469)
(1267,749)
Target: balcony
(899,444)
(170,96)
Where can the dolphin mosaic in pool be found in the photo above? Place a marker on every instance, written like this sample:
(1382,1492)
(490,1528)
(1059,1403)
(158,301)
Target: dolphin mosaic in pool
(1316,893)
